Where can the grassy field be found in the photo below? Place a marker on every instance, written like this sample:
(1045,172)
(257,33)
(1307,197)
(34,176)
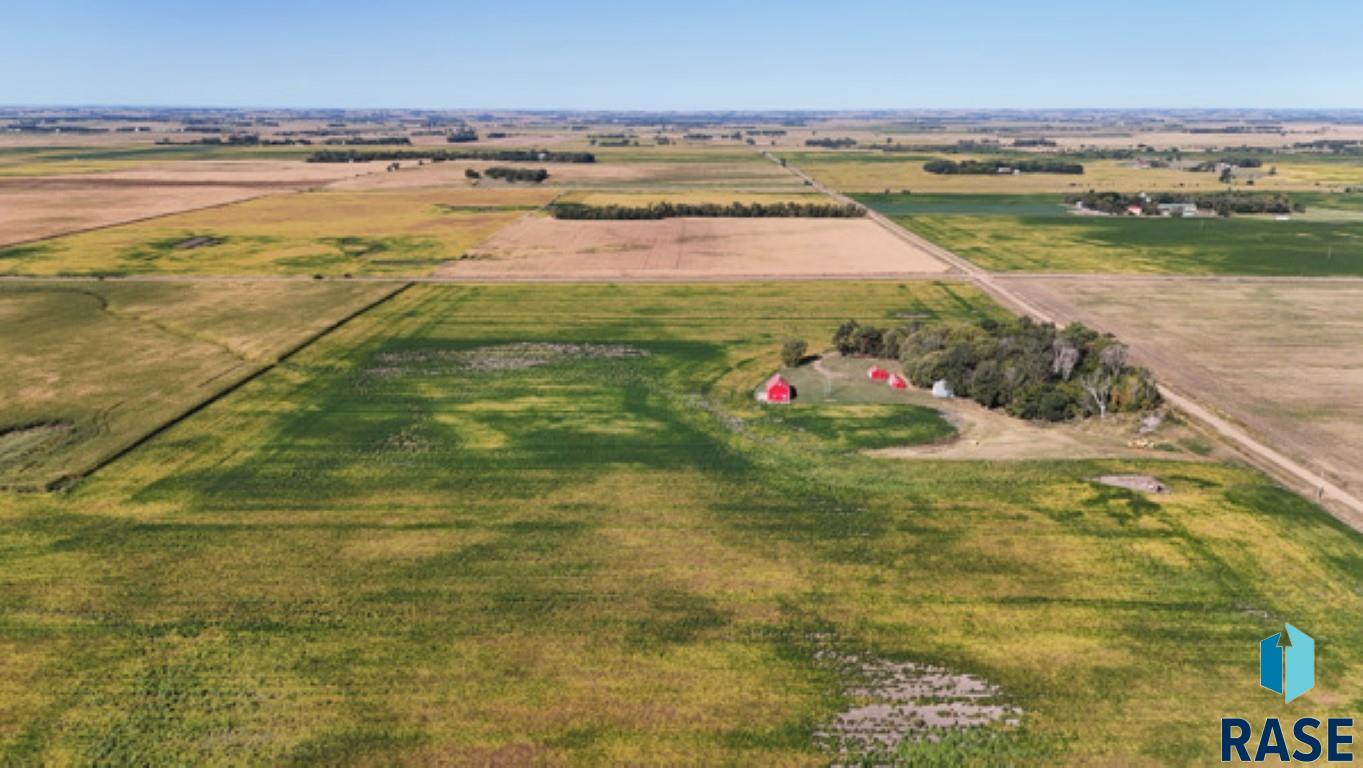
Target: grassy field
(549,523)
(332,233)
(90,367)
(1035,233)
(871,172)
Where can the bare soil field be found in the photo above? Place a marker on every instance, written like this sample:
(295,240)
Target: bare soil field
(1283,358)
(539,247)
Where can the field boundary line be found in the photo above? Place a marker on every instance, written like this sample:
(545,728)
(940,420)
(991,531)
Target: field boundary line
(69,480)
(1345,507)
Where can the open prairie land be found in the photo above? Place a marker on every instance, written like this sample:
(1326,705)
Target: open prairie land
(549,524)
(1035,233)
(92,366)
(332,233)
(692,248)
(1281,357)
(871,172)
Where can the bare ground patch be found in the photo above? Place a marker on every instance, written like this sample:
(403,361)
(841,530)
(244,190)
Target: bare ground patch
(897,701)
(547,248)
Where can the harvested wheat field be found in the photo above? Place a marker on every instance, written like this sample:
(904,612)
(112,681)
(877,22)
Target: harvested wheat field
(1281,357)
(539,247)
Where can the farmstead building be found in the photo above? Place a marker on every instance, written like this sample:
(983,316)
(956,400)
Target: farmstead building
(776,390)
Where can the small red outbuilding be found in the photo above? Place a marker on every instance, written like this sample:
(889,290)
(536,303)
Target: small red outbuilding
(776,390)
(876,373)
(897,382)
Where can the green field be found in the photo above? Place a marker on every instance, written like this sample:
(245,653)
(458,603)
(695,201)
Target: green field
(91,367)
(538,524)
(1034,233)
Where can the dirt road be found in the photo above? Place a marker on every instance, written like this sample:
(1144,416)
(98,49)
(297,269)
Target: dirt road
(1291,471)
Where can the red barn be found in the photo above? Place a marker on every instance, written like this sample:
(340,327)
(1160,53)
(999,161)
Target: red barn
(776,390)
(876,373)
(897,382)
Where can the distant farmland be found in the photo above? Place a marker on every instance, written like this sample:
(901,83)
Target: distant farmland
(1036,234)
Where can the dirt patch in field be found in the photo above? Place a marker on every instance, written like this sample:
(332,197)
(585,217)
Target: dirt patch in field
(540,247)
(500,357)
(1142,483)
(17,444)
(895,701)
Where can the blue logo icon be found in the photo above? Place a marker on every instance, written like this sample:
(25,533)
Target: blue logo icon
(1287,663)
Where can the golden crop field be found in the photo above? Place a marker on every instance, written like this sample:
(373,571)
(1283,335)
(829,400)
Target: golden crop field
(331,233)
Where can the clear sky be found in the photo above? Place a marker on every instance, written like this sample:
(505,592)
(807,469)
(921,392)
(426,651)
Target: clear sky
(683,54)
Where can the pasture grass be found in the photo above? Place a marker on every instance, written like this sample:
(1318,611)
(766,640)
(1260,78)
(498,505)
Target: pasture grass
(381,553)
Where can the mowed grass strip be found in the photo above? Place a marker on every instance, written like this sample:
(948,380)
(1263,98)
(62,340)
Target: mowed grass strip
(403,548)
(329,233)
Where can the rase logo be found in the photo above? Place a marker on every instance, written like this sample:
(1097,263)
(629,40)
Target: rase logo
(1287,663)
(1287,666)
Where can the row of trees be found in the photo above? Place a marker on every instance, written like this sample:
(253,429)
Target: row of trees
(667,210)
(1021,165)
(379,141)
(441,155)
(1224,203)
(506,173)
(842,143)
(1033,370)
(462,135)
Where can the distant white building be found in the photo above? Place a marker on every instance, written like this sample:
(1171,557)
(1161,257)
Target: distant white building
(1177,209)
(941,388)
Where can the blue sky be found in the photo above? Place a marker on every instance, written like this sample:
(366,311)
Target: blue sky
(688,54)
